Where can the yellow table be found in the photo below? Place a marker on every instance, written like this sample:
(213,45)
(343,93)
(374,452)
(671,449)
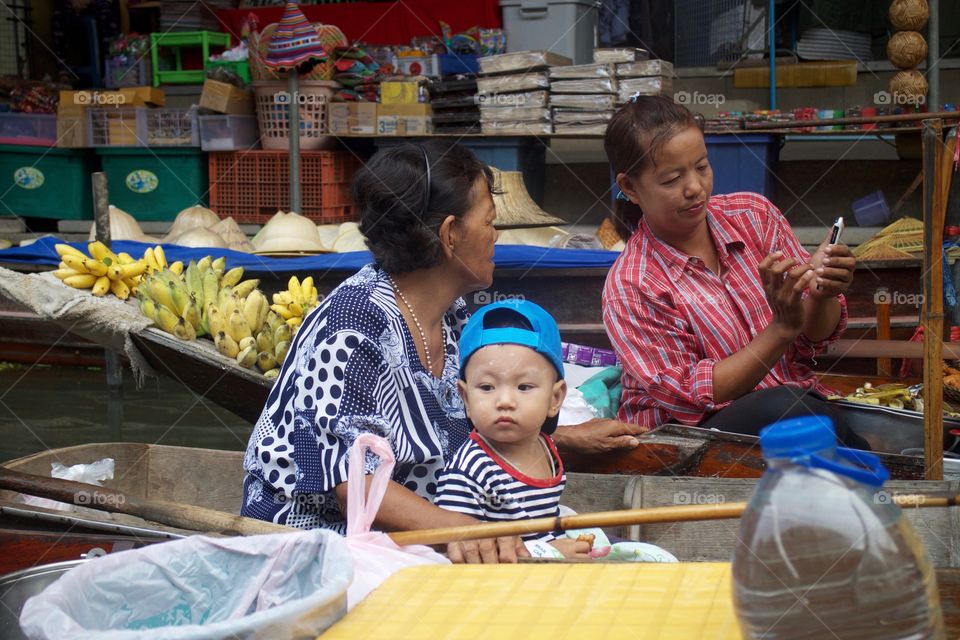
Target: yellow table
(549,601)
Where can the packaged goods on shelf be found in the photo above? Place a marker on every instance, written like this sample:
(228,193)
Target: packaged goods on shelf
(515,82)
(518,99)
(645,86)
(522,61)
(575,116)
(514,114)
(644,68)
(584,85)
(618,55)
(513,128)
(583,101)
(583,71)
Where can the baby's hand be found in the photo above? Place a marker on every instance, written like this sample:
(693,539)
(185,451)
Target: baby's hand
(572,548)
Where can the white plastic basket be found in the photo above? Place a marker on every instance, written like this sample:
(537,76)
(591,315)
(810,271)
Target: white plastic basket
(273,113)
(116,127)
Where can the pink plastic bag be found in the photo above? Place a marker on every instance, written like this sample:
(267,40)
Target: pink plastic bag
(375,556)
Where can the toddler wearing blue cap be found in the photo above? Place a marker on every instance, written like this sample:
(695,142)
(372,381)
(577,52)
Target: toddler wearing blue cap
(512,384)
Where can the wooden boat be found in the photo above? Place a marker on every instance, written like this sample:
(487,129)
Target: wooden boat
(213,479)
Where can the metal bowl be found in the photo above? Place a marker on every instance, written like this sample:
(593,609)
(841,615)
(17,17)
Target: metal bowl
(18,587)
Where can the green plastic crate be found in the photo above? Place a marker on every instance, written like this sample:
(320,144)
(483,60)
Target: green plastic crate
(177,40)
(154,183)
(39,182)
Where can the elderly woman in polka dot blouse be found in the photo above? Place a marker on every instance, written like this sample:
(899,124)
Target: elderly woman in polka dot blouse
(380,356)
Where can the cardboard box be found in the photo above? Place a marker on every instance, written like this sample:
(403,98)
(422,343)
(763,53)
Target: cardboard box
(77,101)
(223,97)
(404,120)
(71,129)
(403,92)
(352,118)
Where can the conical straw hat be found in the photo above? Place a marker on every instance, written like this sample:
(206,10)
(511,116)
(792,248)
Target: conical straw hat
(515,208)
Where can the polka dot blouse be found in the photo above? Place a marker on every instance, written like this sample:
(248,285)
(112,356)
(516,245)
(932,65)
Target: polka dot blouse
(352,368)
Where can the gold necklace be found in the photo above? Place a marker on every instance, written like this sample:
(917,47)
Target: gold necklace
(416,321)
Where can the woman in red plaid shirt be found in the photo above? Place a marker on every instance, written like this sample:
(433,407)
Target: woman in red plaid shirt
(714,304)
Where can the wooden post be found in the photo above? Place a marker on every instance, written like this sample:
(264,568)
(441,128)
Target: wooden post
(933,214)
(884,365)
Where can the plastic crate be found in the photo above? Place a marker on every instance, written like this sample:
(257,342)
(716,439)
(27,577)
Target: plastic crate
(507,153)
(155,183)
(31,129)
(740,162)
(273,114)
(178,40)
(229,133)
(172,127)
(46,183)
(251,186)
(533,25)
(116,127)
(126,73)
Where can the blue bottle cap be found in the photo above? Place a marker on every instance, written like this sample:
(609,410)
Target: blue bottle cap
(798,437)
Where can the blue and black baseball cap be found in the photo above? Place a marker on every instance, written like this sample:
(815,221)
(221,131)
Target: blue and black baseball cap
(543,336)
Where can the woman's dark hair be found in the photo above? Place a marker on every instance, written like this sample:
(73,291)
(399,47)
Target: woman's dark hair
(398,217)
(634,135)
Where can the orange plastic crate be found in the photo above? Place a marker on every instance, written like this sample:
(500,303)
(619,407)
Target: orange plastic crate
(251,186)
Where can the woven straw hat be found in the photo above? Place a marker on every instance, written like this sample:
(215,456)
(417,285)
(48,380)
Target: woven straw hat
(288,233)
(515,208)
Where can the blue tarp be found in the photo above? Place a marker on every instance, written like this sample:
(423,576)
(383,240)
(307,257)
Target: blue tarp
(42,252)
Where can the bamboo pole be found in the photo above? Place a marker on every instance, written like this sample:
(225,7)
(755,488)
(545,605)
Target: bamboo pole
(932,319)
(624,518)
(205,520)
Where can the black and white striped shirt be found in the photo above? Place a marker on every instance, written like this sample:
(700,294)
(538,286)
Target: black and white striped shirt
(481,484)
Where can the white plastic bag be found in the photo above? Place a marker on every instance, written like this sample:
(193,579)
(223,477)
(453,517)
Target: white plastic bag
(93,473)
(375,556)
(271,587)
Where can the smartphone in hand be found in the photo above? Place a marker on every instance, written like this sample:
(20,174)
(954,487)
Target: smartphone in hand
(835,234)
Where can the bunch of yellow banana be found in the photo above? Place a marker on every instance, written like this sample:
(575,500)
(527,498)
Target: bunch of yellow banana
(102,271)
(296,301)
(164,298)
(157,261)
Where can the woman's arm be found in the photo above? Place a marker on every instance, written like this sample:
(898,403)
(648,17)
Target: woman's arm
(783,282)
(403,510)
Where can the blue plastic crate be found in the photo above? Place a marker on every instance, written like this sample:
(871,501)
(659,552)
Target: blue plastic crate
(451,64)
(740,162)
(526,154)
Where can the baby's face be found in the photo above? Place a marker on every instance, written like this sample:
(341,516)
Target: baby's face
(509,391)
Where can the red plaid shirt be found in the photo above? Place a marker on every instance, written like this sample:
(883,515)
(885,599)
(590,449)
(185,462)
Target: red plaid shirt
(671,319)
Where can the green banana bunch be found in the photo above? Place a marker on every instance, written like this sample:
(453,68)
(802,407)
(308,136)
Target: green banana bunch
(165,298)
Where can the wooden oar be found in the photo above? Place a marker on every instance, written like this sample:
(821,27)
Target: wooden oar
(200,519)
(626,517)
(173,514)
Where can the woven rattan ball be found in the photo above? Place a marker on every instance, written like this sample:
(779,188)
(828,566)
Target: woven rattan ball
(908,85)
(907,49)
(909,15)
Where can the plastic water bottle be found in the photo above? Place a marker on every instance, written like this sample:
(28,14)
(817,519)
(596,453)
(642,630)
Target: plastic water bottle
(823,552)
